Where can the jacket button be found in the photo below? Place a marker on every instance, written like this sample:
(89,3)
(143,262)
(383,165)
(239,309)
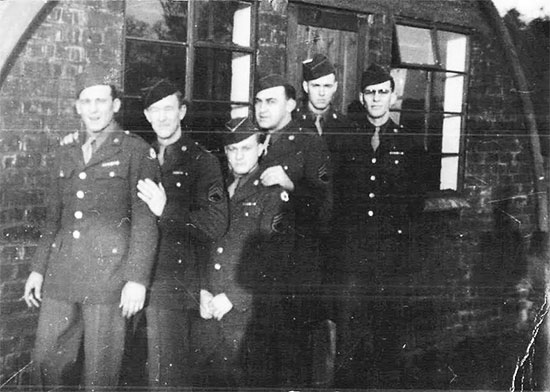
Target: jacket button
(372,178)
(179,261)
(183,148)
(371,213)
(399,231)
(82,176)
(178,184)
(76,234)
(396,161)
(111,174)
(371,195)
(373,160)
(246,214)
(219,250)
(78,214)
(217,266)
(114,251)
(80,194)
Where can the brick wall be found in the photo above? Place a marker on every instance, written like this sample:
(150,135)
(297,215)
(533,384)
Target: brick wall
(36,108)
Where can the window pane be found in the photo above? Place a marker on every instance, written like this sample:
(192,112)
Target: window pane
(415,45)
(148,61)
(447,94)
(157,19)
(221,75)
(451,134)
(452,47)
(224,22)
(410,87)
(449,173)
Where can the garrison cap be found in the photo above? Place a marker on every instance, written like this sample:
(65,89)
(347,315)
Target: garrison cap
(269,81)
(316,67)
(159,90)
(95,75)
(374,74)
(239,129)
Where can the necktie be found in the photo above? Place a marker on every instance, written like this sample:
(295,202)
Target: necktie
(318,121)
(266,143)
(88,149)
(375,140)
(160,155)
(233,187)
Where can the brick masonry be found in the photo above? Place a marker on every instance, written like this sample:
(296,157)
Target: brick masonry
(472,295)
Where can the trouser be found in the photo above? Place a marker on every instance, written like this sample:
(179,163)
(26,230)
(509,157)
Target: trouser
(168,347)
(63,327)
(225,349)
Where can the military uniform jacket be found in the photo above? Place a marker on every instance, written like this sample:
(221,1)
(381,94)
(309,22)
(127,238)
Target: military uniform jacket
(380,191)
(98,233)
(335,126)
(195,215)
(306,160)
(250,258)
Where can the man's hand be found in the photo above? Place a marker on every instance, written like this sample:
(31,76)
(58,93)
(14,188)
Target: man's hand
(220,306)
(69,139)
(276,175)
(152,194)
(132,298)
(205,304)
(33,289)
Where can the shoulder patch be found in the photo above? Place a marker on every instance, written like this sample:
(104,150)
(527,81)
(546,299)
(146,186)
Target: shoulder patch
(284,196)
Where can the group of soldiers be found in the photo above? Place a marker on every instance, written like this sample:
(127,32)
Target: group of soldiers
(261,271)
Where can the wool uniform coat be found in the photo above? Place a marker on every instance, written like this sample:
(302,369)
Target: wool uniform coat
(195,215)
(98,234)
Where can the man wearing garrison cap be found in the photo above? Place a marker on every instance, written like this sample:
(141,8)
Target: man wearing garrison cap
(96,252)
(191,207)
(296,158)
(379,199)
(238,295)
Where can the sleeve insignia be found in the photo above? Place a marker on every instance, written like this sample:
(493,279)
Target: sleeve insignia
(215,193)
(323,173)
(276,223)
(152,153)
(284,196)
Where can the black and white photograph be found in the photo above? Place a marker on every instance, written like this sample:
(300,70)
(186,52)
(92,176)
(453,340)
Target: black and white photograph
(274,195)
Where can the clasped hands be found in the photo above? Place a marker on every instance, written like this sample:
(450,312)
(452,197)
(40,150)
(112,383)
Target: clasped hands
(214,306)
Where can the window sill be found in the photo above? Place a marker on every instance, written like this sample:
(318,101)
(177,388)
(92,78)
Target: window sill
(445,202)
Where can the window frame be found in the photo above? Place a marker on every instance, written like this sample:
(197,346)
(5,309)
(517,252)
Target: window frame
(431,70)
(191,44)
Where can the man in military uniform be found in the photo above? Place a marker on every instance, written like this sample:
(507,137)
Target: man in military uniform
(298,160)
(380,196)
(192,209)
(238,292)
(93,262)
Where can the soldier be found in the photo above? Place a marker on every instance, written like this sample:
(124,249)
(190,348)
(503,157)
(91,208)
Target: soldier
(93,262)
(298,160)
(380,198)
(192,212)
(238,291)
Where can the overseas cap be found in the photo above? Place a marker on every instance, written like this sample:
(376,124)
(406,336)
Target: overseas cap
(374,74)
(316,67)
(95,75)
(272,80)
(238,129)
(161,89)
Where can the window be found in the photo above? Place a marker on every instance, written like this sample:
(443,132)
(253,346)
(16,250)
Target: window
(206,47)
(430,69)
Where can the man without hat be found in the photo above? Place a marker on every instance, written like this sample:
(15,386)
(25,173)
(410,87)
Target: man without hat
(297,159)
(94,259)
(238,295)
(379,198)
(191,207)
